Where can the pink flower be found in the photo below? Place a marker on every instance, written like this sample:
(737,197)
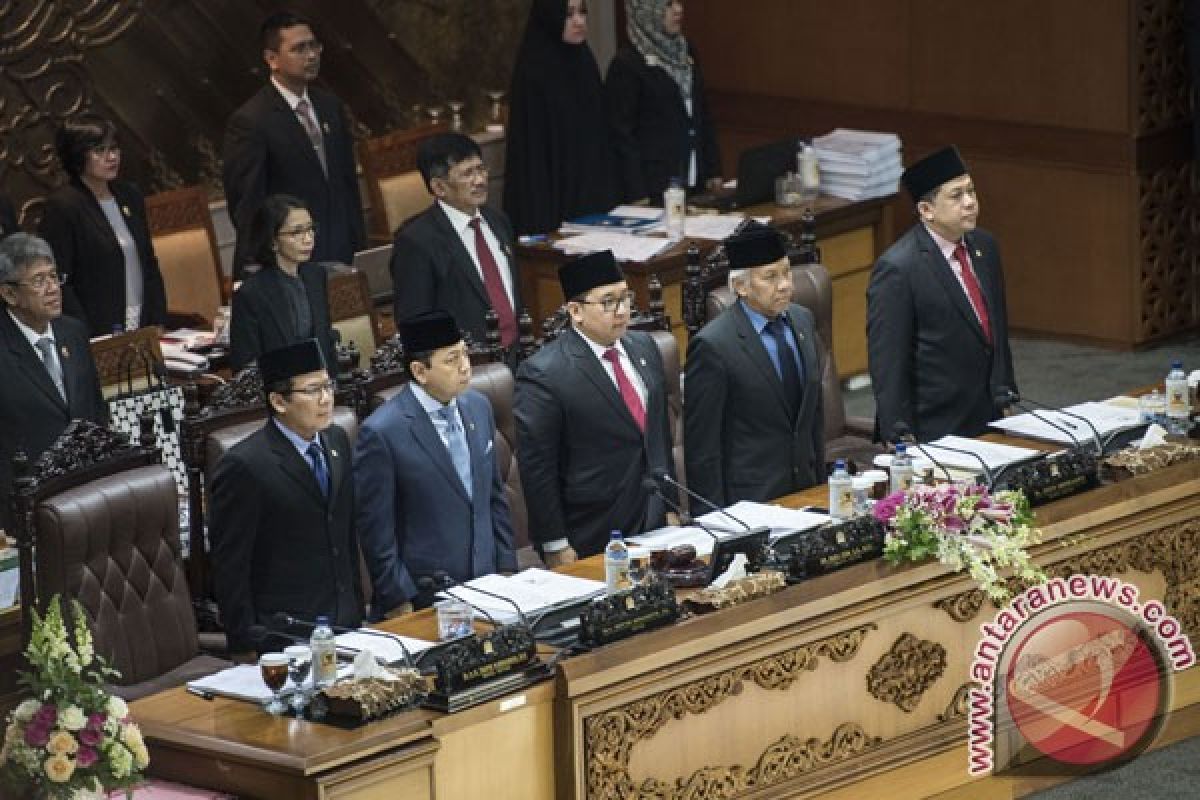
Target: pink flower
(886,508)
(86,756)
(96,720)
(46,715)
(36,735)
(90,736)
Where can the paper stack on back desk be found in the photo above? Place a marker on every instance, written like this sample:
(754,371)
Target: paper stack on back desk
(857,165)
(624,246)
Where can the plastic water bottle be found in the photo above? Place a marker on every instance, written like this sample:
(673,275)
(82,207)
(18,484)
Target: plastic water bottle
(675,209)
(324,653)
(1179,409)
(841,492)
(810,172)
(616,564)
(902,469)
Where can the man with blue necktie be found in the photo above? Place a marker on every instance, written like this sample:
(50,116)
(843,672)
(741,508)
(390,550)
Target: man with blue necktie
(430,494)
(753,417)
(281,517)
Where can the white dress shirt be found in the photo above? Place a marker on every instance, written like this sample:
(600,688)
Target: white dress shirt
(462,226)
(291,98)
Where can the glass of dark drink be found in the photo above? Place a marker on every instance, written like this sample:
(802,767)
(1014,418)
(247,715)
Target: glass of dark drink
(274,669)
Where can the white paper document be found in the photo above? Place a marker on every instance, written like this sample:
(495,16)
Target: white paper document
(714,227)
(672,536)
(780,520)
(996,456)
(624,246)
(1108,418)
(534,590)
(244,682)
(386,650)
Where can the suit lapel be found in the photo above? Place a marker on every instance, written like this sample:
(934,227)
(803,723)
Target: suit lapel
(429,440)
(751,344)
(812,367)
(294,465)
(461,258)
(73,366)
(295,131)
(31,363)
(944,274)
(276,300)
(590,366)
(986,276)
(337,462)
(477,448)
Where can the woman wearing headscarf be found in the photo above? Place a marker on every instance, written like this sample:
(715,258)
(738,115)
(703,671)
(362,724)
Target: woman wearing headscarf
(96,226)
(656,100)
(560,161)
(284,298)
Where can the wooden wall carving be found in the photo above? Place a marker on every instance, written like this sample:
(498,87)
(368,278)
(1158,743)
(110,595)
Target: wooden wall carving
(957,707)
(1163,86)
(1170,550)
(610,737)
(1167,220)
(904,673)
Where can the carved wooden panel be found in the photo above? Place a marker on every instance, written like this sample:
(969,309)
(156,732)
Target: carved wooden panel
(611,736)
(1163,86)
(1169,257)
(906,671)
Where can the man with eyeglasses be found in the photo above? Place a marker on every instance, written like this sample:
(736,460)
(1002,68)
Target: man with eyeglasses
(281,516)
(293,138)
(753,420)
(48,376)
(430,494)
(592,426)
(458,254)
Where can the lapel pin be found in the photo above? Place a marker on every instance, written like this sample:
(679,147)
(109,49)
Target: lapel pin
(978,254)
(325,127)
(642,361)
(333,453)
(471,425)
(125,211)
(65,352)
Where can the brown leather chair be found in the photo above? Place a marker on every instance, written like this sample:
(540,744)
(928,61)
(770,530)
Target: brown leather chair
(186,244)
(845,437)
(352,312)
(495,381)
(103,519)
(668,348)
(394,184)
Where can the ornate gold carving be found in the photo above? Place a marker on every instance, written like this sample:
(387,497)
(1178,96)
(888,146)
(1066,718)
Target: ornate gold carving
(957,708)
(1170,550)
(609,737)
(903,673)
(962,607)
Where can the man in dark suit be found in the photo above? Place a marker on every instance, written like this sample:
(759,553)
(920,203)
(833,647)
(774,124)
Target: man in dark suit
(430,494)
(457,254)
(49,377)
(591,414)
(281,521)
(937,322)
(753,420)
(293,138)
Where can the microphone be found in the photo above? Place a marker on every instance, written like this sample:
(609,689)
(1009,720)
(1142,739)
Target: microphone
(260,633)
(687,519)
(1016,399)
(905,434)
(663,475)
(281,620)
(1008,396)
(441,581)
(988,475)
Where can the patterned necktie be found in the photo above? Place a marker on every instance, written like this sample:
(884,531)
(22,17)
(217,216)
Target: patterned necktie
(320,471)
(789,373)
(45,346)
(304,112)
(974,293)
(494,284)
(628,393)
(457,444)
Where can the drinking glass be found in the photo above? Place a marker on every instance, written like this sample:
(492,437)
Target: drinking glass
(274,669)
(299,665)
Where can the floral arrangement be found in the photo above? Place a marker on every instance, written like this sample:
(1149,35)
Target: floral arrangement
(71,739)
(963,527)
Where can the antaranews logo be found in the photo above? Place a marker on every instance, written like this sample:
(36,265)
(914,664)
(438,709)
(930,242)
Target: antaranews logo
(1073,676)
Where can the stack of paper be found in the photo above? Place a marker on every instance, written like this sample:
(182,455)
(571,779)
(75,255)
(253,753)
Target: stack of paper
(624,246)
(730,522)
(856,165)
(1107,418)
(622,219)
(714,227)
(955,451)
(386,650)
(534,590)
(244,682)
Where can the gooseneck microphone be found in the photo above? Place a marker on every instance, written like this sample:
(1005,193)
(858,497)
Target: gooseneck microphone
(1015,398)
(1010,397)
(686,519)
(282,620)
(988,476)
(441,580)
(904,434)
(665,477)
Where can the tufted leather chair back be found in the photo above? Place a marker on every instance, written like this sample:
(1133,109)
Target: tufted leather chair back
(668,348)
(221,440)
(113,543)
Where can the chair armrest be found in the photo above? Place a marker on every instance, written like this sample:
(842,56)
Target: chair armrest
(860,426)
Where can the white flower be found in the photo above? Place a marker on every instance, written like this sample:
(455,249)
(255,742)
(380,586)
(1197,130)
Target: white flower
(120,760)
(72,718)
(25,711)
(117,708)
(131,737)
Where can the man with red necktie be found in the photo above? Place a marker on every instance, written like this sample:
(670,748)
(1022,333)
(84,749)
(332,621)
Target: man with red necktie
(591,414)
(937,321)
(457,254)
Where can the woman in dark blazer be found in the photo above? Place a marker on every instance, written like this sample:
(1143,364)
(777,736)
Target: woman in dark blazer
(284,298)
(657,107)
(96,225)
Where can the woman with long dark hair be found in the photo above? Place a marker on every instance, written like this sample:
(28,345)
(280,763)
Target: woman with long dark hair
(283,299)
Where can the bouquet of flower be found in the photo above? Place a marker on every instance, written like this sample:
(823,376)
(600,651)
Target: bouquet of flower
(70,739)
(963,527)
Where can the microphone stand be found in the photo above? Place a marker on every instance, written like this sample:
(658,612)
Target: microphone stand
(664,476)
(688,521)
(284,620)
(1016,400)
(904,434)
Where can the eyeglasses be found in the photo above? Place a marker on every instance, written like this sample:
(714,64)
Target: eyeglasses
(611,304)
(316,392)
(470,173)
(303,48)
(300,233)
(40,282)
(105,150)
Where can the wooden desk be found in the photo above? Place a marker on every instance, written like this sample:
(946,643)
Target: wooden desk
(851,236)
(852,684)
